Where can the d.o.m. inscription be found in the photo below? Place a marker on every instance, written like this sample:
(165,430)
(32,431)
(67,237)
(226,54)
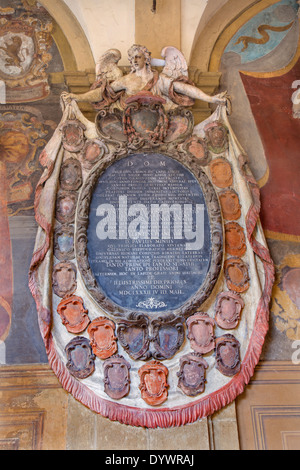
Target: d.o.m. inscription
(149,233)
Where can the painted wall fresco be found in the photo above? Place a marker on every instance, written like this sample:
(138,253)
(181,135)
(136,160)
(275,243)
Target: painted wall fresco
(261,67)
(271,104)
(29,112)
(263,33)
(32,111)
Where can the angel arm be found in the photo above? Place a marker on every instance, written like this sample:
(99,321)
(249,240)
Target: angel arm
(91,96)
(107,74)
(195,93)
(98,94)
(176,69)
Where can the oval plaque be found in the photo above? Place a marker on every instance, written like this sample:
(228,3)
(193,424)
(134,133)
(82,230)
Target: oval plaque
(150,233)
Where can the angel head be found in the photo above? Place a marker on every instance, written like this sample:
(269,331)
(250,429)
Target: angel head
(139,56)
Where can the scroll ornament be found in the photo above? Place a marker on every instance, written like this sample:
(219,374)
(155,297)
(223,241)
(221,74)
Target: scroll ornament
(147,367)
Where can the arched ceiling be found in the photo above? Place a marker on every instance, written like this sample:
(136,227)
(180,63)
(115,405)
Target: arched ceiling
(205,29)
(213,34)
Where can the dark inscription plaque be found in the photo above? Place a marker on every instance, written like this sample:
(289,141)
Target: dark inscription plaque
(149,243)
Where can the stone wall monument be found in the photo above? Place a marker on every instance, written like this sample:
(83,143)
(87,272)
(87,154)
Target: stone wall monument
(151,274)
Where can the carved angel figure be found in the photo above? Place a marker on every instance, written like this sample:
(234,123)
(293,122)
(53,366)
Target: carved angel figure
(112,88)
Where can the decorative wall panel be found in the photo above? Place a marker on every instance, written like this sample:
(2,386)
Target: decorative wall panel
(33,409)
(268,413)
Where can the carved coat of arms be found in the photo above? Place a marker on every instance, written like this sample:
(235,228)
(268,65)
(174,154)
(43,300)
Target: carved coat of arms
(149,232)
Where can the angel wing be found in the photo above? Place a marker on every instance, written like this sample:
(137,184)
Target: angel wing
(107,65)
(175,63)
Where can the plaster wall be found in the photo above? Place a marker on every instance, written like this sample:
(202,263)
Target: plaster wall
(94,16)
(191,14)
